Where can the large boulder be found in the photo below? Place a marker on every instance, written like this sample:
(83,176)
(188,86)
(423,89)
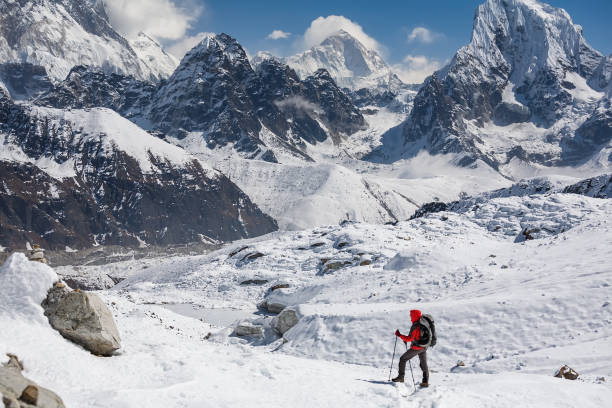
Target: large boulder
(285,320)
(83,318)
(19,392)
(248,329)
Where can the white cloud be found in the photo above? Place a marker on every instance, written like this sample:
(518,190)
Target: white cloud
(161,19)
(180,48)
(422,34)
(415,68)
(278,34)
(297,103)
(323,27)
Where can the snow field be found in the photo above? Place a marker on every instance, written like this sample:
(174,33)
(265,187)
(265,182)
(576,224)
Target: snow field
(513,312)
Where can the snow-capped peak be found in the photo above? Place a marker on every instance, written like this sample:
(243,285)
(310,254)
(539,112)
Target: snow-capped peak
(59,35)
(153,56)
(348,61)
(529,36)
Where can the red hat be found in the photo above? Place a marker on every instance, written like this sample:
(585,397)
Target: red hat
(415,315)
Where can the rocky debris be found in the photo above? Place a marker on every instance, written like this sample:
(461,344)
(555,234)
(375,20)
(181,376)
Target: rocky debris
(19,392)
(596,187)
(14,362)
(567,372)
(279,286)
(252,256)
(37,254)
(285,320)
(429,208)
(274,307)
(248,329)
(333,265)
(257,282)
(30,395)
(83,318)
(528,234)
(237,251)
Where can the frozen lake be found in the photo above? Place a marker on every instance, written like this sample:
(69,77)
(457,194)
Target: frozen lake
(220,317)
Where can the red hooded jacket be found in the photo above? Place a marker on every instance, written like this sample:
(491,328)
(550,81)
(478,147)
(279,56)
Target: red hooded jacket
(415,332)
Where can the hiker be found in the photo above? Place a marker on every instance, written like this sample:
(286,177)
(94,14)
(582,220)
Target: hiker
(421,336)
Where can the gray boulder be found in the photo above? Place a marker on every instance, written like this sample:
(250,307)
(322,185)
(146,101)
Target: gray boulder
(272,306)
(285,320)
(19,392)
(247,329)
(83,318)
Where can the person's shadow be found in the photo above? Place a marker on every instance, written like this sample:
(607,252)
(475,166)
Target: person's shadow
(376,381)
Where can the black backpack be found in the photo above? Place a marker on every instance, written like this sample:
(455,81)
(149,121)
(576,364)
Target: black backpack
(428,331)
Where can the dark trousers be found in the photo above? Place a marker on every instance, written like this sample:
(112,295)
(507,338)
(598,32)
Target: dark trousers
(422,359)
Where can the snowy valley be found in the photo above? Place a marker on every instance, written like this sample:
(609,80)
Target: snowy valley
(256,227)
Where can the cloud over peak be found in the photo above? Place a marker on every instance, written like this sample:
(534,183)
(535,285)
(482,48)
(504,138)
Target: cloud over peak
(323,27)
(277,35)
(415,68)
(423,35)
(161,19)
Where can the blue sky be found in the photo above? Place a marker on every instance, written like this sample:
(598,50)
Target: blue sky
(442,26)
(389,22)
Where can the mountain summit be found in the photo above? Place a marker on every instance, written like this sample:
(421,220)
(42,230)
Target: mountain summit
(59,35)
(527,88)
(348,61)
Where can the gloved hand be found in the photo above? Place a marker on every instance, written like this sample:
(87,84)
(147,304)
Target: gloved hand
(397,333)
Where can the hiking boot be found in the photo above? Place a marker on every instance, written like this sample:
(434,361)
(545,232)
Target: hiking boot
(424,384)
(398,379)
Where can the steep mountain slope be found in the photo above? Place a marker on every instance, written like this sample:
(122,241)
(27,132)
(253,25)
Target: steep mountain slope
(79,178)
(260,113)
(349,62)
(58,35)
(523,89)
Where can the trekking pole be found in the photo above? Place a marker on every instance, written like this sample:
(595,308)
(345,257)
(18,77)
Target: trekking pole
(392,358)
(411,372)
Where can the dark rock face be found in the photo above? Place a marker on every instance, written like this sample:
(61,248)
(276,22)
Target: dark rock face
(24,81)
(590,137)
(230,102)
(338,112)
(596,187)
(508,113)
(87,87)
(109,199)
(515,70)
(210,92)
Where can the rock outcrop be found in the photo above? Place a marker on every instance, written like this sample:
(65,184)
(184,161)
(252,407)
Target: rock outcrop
(247,329)
(83,318)
(88,177)
(287,318)
(527,72)
(19,392)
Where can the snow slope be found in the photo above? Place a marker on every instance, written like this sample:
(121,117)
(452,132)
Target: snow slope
(336,187)
(59,35)
(512,312)
(348,61)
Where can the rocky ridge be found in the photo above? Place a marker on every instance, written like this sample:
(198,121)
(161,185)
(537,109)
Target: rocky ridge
(79,178)
(58,35)
(527,87)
